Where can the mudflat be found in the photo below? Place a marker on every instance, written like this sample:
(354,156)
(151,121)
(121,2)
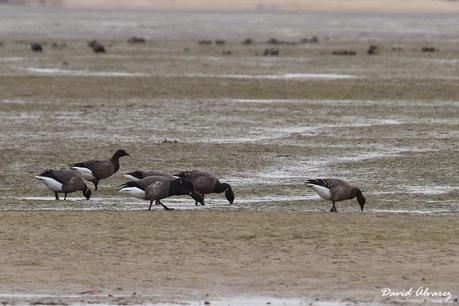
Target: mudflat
(183,256)
(387,122)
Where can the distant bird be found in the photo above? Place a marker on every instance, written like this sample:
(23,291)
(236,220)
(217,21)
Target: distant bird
(336,190)
(35,47)
(96,170)
(136,40)
(206,183)
(64,181)
(96,46)
(138,175)
(156,188)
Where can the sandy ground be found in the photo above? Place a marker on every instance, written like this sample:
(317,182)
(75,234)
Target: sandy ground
(151,257)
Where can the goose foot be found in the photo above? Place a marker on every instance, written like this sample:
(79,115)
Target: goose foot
(333,209)
(164,206)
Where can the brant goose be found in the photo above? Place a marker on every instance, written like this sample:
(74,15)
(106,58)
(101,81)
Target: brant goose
(155,188)
(336,190)
(96,46)
(138,175)
(64,181)
(35,46)
(206,183)
(96,170)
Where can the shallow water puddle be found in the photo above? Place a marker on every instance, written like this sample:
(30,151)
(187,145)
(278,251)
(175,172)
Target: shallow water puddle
(405,103)
(11,59)
(104,299)
(412,211)
(287,76)
(61,72)
(128,201)
(259,203)
(431,190)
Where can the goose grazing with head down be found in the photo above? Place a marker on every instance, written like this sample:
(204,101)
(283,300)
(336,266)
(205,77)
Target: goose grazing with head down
(64,181)
(156,188)
(336,190)
(138,175)
(96,170)
(206,183)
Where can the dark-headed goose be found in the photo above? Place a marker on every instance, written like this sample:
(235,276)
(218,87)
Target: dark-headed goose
(64,181)
(138,175)
(96,46)
(156,188)
(96,170)
(336,190)
(206,183)
(35,47)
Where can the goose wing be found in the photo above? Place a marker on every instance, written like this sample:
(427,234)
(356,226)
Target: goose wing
(100,169)
(205,184)
(186,174)
(52,174)
(325,182)
(63,176)
(139,174)
(157,190)
(75,183)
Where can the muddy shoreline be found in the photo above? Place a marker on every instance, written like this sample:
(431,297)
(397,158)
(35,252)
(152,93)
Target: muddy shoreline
(160,256)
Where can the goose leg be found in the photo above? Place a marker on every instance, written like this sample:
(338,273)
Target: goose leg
(151,203)
(164,206)
(333,209)
(197,203)
(65,196)
(57,196)
(157,203)
(95,184)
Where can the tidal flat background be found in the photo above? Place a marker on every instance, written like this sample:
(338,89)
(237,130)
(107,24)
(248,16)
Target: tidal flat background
(387,122)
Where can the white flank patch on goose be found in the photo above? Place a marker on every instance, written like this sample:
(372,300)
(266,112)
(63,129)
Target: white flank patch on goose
(50,182)
(133,192)
(323,192)
(131,177)
(85,173)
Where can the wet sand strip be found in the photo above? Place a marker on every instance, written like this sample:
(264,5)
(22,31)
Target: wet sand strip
(194,255)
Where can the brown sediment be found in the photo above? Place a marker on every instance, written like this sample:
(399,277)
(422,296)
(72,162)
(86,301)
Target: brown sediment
(222,253)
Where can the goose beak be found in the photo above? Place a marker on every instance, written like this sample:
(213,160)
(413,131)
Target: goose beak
(229,194)
(362,202)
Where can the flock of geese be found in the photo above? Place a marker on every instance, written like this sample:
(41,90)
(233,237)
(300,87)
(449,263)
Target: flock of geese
(155,186)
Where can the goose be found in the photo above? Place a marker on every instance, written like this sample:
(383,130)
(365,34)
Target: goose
(206,183)
(96,46)
(336,190)
(156,188)
(96,170)
(139,174)
(64,181)
(35,46)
